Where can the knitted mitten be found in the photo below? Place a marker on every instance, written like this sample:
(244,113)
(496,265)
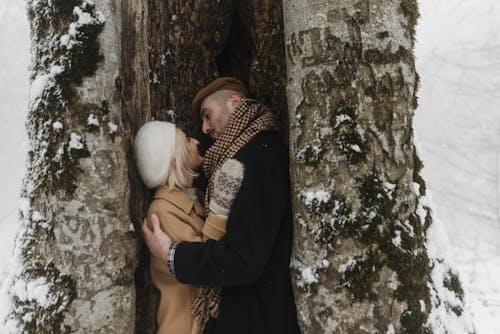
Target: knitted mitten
(227,183)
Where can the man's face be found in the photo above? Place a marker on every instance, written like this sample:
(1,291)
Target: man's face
(215,115)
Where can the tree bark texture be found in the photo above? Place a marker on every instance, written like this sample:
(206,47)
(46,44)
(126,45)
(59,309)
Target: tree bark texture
(75,251)
(360,262)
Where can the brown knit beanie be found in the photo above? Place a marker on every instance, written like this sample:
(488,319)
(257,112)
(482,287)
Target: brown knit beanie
(222,83)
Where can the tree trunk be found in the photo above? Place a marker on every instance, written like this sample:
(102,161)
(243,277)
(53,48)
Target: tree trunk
(75,251)
(361,262)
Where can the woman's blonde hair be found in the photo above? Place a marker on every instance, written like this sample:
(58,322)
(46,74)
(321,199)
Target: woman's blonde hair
(180,175)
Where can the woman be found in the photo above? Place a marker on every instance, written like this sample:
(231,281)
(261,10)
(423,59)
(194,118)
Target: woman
(166,159)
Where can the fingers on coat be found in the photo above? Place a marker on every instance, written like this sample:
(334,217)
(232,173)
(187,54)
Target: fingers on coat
(155,221)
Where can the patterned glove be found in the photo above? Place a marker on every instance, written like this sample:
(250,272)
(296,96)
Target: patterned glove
(227,183)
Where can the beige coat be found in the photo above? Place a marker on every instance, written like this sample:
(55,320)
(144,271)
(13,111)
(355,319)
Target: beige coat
(182,219)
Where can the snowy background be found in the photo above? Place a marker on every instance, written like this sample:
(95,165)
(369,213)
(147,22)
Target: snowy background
(14,85)
(457,126)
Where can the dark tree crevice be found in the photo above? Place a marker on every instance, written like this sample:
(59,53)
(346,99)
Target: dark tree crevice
(235,58)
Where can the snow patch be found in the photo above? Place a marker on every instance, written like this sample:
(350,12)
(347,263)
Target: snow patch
(318,196)
(34,291)
(396,241)
(355,147)
(308,274)
(75,142)
(342,118)
(57,125)
(92,120)
(345,266)
(112,127)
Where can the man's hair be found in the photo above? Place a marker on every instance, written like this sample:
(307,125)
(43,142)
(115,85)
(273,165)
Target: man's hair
(180,174)
(222,95)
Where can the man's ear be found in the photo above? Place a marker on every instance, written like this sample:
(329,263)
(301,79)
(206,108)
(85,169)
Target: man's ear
(235,99)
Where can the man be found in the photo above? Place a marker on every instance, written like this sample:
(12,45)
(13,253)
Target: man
(251,262)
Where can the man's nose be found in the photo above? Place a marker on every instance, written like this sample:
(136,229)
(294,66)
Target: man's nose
(205,128)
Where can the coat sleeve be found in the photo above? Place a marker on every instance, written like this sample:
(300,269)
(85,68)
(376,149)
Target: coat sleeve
(241,255)
(214,227)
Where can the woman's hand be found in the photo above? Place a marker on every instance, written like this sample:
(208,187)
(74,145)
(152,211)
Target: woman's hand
(157,241)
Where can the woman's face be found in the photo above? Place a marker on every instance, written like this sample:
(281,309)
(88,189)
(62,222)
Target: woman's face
(194,158)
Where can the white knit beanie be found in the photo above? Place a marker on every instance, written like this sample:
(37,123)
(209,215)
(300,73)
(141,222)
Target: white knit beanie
(154,148)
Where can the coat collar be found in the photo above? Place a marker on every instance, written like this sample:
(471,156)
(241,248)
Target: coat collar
(180,199)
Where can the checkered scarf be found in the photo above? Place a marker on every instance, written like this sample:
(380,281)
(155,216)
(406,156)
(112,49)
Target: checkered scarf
(247,120)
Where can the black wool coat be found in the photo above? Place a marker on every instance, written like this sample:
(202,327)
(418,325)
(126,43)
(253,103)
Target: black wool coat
(251,262)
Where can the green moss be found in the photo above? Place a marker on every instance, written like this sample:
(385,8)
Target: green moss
(362,11)
(64,8)
(382,34)
(338,222)
(54,164)
(312,153)
(375,197)
(412,264)
(412,321)
(315,207)
(375,56)
(83,58)
(359,277)
(33,317)
(376,227)
(37,318)
(428,217)
(416,86)
(417,168)
(452,283)
(345,71)
(410,10)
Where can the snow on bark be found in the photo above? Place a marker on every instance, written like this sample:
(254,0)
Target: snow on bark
(73,262)
(364,259)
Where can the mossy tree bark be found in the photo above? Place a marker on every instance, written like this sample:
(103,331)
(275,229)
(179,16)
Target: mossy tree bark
(361,262)
(75,251)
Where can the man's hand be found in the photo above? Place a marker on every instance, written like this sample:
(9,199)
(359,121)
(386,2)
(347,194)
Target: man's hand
(157,241)
(227,183)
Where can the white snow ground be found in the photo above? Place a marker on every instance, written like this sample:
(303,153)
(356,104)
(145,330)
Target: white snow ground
(457,125)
